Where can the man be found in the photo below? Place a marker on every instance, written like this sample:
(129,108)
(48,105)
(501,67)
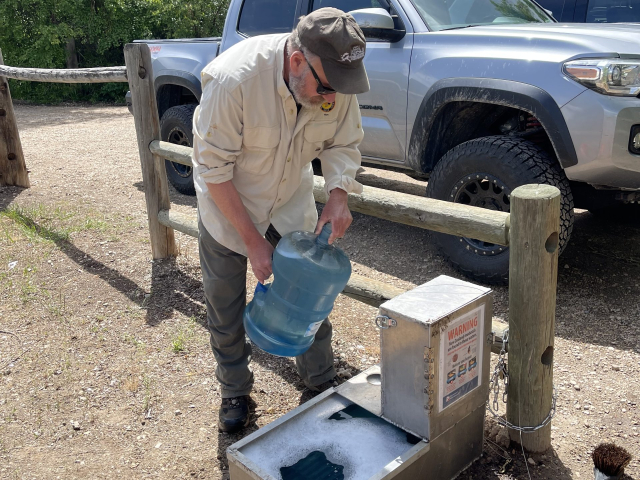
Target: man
(270,105)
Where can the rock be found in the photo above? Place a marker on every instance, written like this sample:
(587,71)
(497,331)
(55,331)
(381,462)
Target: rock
(495,430)
(502,438)
(178,412)
(615,368)
(531,461)
(577,387)
(75,425)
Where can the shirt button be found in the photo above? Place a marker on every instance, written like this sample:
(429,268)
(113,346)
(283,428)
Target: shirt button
(289,159)
(283,180)
(291,111)
(279,200)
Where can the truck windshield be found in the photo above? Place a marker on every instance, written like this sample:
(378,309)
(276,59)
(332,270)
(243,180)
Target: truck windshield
(450,14)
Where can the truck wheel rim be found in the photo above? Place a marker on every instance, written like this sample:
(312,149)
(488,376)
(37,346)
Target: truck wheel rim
(484,191)
(178,137)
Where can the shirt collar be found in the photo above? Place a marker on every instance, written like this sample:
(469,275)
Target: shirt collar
(283,90)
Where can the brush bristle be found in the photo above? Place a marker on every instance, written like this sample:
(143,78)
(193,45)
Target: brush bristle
(610,459)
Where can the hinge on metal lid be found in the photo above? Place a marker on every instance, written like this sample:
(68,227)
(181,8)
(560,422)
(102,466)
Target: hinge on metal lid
(382,321)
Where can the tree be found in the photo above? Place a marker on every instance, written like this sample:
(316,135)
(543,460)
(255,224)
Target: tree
(92,33)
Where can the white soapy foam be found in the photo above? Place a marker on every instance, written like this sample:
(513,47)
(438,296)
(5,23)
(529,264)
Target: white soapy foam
(362,446)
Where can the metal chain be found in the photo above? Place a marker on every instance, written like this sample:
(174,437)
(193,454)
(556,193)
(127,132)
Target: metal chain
(501,371)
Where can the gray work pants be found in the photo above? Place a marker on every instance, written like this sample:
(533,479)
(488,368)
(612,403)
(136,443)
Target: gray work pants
(224,275)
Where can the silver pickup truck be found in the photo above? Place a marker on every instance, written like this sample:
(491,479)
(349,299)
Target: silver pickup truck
(477,96)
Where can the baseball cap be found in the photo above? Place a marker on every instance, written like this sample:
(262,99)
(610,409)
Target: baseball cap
(336,38)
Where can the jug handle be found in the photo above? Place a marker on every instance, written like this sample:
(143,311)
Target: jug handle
(325,233)
(260,288)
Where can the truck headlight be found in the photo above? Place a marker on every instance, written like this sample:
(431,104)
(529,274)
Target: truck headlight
(611,76)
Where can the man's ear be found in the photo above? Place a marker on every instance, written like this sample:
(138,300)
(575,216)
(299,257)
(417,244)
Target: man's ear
(296,62)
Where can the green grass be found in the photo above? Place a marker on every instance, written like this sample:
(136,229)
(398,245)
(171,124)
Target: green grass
(35,223)
(149,394)
(184,335)
(53,224)
(128,338)
(93,224)
(178,342)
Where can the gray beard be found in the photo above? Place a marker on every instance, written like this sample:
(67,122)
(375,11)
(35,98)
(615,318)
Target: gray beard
(296,84)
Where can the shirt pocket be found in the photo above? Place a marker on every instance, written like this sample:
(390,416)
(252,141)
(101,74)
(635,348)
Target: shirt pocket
(315,136)
(258,149)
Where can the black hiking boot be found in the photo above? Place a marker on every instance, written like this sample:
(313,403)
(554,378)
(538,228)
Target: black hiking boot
(233,414)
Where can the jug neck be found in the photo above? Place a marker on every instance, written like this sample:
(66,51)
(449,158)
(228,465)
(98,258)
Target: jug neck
(323,238)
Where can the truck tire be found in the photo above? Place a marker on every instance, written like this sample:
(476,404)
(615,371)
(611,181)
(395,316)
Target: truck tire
(176,127)
(483,173)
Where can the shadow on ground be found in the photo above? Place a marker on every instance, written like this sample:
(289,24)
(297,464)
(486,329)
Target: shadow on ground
(8,194)
(175,197)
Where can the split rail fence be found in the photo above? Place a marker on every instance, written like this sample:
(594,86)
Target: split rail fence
(530,231)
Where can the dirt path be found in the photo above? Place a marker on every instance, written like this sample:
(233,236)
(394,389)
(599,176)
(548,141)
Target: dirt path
(105,367)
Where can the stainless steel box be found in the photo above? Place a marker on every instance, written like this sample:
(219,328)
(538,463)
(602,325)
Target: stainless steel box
(435,355)
(442,458)
(360,427)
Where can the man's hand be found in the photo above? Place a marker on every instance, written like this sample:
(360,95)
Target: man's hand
(337,212)
(260,253)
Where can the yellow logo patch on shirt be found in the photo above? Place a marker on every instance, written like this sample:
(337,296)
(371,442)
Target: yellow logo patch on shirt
(327,107)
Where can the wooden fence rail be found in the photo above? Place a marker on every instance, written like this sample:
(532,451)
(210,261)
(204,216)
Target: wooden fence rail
(77,75)
(428,213)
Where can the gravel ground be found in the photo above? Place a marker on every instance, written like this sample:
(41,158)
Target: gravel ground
(105,367)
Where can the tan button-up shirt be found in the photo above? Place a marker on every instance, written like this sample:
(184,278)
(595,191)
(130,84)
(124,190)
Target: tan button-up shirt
(247,130)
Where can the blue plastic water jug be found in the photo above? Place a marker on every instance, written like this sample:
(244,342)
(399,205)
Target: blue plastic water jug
(308,274)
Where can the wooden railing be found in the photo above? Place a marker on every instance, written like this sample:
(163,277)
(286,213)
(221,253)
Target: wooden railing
(530,231)
(13,168)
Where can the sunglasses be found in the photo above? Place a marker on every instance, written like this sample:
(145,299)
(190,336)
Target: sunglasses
(321,90)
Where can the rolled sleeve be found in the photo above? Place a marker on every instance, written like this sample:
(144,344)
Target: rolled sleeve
(217,133)
(341,161)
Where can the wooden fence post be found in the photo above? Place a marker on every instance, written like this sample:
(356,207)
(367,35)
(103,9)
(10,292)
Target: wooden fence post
(145,114)
(13,169)
(533,279)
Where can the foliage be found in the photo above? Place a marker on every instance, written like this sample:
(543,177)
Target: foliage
(39,34)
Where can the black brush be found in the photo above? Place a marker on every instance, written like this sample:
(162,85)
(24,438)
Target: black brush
(609,461)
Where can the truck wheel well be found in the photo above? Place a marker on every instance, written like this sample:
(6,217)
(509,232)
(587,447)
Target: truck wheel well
(459,121)
(169,96)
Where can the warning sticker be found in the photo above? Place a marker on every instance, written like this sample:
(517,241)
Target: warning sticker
(461,357)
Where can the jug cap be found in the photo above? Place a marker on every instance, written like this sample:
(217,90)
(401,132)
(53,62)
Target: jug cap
(323,238)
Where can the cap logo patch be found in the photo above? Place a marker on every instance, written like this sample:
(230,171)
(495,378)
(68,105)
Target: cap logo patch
(356,54)
(327,107)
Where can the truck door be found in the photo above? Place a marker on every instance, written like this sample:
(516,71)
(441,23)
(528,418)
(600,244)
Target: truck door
(384,107)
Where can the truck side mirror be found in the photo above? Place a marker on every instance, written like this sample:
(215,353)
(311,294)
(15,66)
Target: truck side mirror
(377,24)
